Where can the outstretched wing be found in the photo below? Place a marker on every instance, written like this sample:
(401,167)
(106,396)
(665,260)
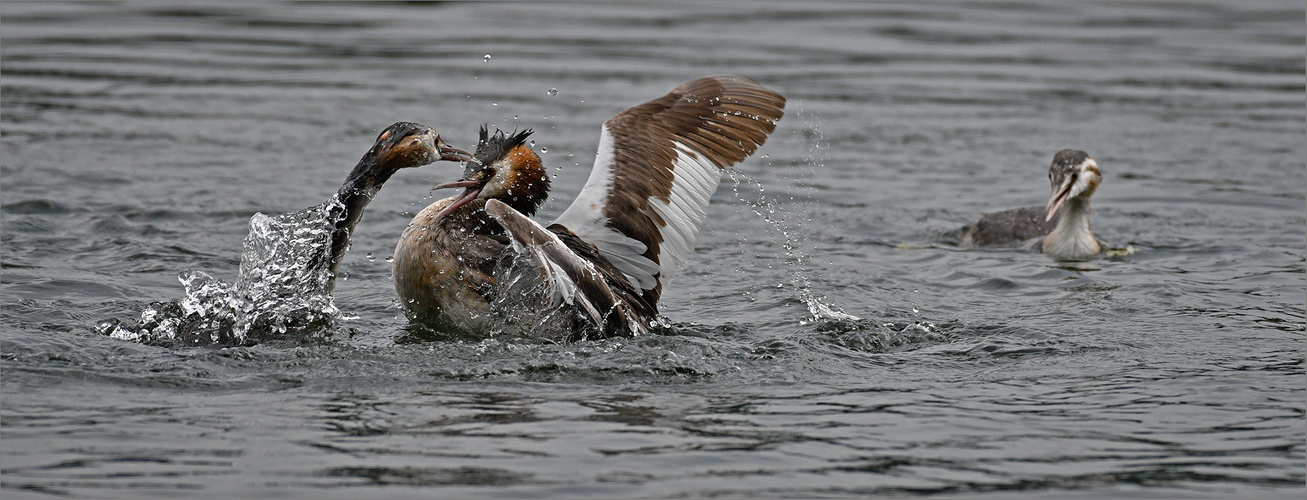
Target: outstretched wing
(658,165)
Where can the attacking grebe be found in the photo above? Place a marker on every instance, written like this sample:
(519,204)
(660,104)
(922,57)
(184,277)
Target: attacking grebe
(401,145)
(608,256)
(1074,177)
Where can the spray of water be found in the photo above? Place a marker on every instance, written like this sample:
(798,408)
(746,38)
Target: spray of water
(770,211)
(284,286)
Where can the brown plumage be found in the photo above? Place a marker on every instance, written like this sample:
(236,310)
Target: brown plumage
(447,255)
(446,262)
(605,260)
(703,114)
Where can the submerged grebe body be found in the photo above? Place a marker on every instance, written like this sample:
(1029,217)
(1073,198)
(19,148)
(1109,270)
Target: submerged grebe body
(1074,177)
(605,260)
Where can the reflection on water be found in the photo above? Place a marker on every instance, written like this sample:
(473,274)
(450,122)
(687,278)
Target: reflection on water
(808,351)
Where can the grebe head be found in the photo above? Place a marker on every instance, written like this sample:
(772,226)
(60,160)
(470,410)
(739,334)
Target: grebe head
(504,168)
(408,144)
(1073,174)
(401,145)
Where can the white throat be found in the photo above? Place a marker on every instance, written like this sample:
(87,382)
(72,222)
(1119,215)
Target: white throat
(1071,239)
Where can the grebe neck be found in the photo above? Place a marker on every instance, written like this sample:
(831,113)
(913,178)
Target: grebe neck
(1072,238)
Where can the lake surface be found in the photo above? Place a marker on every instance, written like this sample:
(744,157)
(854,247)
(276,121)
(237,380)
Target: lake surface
(827,338)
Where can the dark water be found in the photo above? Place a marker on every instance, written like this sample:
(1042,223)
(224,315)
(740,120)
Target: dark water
(826,340)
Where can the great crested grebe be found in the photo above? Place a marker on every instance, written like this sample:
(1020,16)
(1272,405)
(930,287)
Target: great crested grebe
(1074,177)
(401,145)
(605,260)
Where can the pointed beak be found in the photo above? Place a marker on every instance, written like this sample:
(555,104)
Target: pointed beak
(473,188)
(451,153)
(1060,196)
(457,184)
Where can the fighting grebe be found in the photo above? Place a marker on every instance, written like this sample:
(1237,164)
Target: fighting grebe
(607,257)
(401,145)
(1074,177)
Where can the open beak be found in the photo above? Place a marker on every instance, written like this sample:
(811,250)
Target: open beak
(1060,196)
(469,194)
(451,153)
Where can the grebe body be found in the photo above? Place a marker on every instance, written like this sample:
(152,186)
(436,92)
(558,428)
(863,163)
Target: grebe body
(603,263)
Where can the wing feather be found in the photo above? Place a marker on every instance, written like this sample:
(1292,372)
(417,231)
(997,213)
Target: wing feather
(657,167)
(574,279)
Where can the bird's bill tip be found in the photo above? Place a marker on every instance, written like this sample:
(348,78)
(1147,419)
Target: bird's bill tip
(1055,202)
(451,153)
(463,199)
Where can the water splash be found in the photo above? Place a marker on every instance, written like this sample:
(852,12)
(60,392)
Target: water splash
(284,286)
(770,212)
(529,302)
(768,209)
(795,257)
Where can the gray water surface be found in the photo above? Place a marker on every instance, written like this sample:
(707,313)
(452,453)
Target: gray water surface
(827,339)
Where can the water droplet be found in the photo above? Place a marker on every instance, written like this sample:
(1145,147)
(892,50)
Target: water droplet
(552,92)
(370,257)
(390,258)
(486,58)
(544,150)
(493,103)
(531,143)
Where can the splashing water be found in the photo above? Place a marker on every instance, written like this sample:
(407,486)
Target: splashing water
(284,286)
(795,258)
(527,302)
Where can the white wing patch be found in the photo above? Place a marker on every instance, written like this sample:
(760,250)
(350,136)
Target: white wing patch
(559,284)
(691,133)
(585,217)
(694,181)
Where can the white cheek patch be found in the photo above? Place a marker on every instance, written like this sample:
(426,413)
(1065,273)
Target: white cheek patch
(498,185)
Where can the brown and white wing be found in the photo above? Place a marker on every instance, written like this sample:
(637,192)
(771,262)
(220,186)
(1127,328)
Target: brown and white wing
(569,277)
(657,166)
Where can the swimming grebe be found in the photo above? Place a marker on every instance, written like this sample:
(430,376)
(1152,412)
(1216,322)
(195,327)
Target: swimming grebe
(607,257)
(1074,177)
(401,145)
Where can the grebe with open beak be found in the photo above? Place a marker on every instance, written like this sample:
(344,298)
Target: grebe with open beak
(608,256)
(1074,177)
(401,145)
